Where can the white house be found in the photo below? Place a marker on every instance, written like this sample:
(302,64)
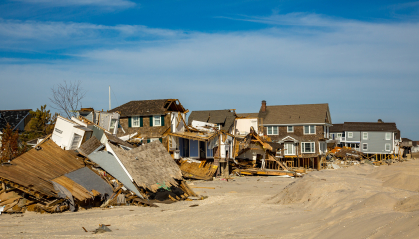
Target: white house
(70,134)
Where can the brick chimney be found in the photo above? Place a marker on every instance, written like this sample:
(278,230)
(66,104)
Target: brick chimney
(263,107)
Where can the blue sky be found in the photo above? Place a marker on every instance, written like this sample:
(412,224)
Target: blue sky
(361,57)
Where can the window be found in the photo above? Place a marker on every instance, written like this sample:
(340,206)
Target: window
(388,147)
(290,129)
(339,135)
(307,147)
(364,146)
(113,123)
(154,139)
(364,135)
(350,135)
(157,120)
(388,136)
(289,149)
(135,121)
(272,130)
(309,129)
(76,140)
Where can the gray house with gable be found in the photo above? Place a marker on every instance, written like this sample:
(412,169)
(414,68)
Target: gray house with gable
(367,137)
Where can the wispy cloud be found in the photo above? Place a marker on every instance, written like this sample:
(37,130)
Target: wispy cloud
(52,35)
(106,3)
(350,64)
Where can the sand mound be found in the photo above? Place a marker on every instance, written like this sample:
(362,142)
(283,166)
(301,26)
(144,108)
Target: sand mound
(409,204)
(403,181)
(377,201)
(313,192)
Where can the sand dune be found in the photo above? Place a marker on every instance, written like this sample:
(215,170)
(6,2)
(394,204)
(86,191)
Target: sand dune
(356,202)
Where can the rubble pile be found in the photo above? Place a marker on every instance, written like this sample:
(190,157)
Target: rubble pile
(103,171)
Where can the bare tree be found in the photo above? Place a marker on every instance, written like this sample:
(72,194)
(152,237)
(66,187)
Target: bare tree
(67,97)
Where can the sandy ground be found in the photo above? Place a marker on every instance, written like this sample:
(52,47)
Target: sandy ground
(356,202)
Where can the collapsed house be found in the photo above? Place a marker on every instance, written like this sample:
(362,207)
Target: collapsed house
(82,165)
(204,152)
(49,179)
(107,120)
(257,156)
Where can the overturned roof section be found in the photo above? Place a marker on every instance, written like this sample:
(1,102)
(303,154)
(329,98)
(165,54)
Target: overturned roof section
(111,165)
(223,117)
(296,114)
(90,146)
(150,165)
(13,117)
(34,170)
(116,140)
(149,107)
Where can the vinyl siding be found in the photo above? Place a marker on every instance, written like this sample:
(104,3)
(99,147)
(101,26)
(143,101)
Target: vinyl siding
(377,143)
(355,138)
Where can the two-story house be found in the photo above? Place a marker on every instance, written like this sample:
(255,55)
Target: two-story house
(149,118)
(302,129)
(368,137)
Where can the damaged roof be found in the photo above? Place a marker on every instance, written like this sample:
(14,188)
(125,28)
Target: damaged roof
(35,169)
(117,140)
(13,117)
(296,114)
(90,146)
(148,107)
(150,165)
(248,115)
(223,117)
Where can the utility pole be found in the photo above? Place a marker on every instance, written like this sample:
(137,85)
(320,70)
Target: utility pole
(110,98)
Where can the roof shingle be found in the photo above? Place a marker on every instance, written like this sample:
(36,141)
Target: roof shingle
(223,117)
(296,114)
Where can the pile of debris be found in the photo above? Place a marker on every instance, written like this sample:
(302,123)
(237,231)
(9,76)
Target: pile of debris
(99,173)
(349,154)
(268,165)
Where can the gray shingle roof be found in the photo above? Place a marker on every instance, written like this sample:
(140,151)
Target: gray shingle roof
(369,126)
(148,107)
(252,115)
(89,146)
(150,165)
(336,128)
(13,117)
(224,117)
(295,114)
(141,108)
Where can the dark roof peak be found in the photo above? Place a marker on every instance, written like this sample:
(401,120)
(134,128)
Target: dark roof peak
(148,107)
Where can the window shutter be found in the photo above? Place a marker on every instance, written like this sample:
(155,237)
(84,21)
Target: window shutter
(162,120)
(161,140)
(129,122)
(141,121)
(151,120)
(148,141)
